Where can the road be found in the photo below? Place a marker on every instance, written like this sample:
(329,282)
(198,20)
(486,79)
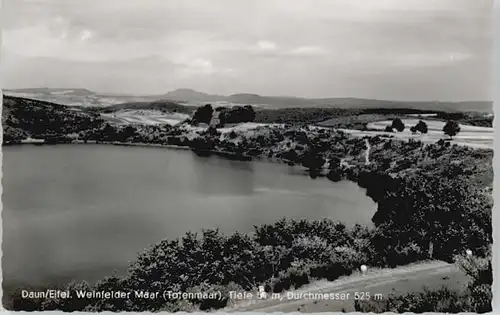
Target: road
(376,283)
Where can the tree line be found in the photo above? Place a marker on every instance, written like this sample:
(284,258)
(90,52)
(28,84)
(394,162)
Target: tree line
(451,128)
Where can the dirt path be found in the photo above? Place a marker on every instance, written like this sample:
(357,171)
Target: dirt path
(367,153)
(376,283)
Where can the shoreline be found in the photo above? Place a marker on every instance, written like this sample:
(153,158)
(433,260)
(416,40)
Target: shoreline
(130,144)
(223,154)
(226,154)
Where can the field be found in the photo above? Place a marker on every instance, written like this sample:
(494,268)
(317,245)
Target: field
(358,125)
(145,117)
(473,136)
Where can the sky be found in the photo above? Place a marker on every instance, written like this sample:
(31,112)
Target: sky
(384,49)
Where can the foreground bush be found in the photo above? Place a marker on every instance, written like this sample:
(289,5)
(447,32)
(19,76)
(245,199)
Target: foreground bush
(439,301)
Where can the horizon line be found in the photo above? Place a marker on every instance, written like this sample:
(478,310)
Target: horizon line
(239,93)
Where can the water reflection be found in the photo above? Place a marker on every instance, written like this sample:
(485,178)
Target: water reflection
(213,177)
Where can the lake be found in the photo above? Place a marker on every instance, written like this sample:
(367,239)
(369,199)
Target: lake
(85,211)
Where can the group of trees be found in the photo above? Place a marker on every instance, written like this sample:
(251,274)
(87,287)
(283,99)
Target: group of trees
(438,216)
(225,115)
(421,127)
(235,114)
(288,253)
(451,128)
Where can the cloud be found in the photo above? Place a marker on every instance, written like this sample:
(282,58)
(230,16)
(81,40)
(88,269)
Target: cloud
(308,51)
(85,35)
(428,60)
(259,46)
(199,67)
(266,45)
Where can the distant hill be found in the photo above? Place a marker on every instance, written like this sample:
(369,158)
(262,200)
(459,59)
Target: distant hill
(49,91)
(283,102)
(75,97)
(84,97)
(189,95)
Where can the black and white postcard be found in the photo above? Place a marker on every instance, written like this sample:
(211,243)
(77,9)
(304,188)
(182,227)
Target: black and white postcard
(247,155)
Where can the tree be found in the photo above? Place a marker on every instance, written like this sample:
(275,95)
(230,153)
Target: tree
(421,127)
(203,114)
(388,129)
(249,114)
(451,128)
(398,124)
(313,160)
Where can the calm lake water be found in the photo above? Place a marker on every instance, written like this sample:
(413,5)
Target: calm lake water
(85,211)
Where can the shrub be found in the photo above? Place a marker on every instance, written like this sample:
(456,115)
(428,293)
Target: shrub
(330,271)
(290,155)
(481,272)
(293,277)
(334,176)
(232,135)
(71,304)
(443,300)
(211,304)
(480,298)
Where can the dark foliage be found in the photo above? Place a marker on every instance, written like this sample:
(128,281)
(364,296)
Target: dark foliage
(203,114)
(421,127)
(398,125)
(451,128)
(236,114)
